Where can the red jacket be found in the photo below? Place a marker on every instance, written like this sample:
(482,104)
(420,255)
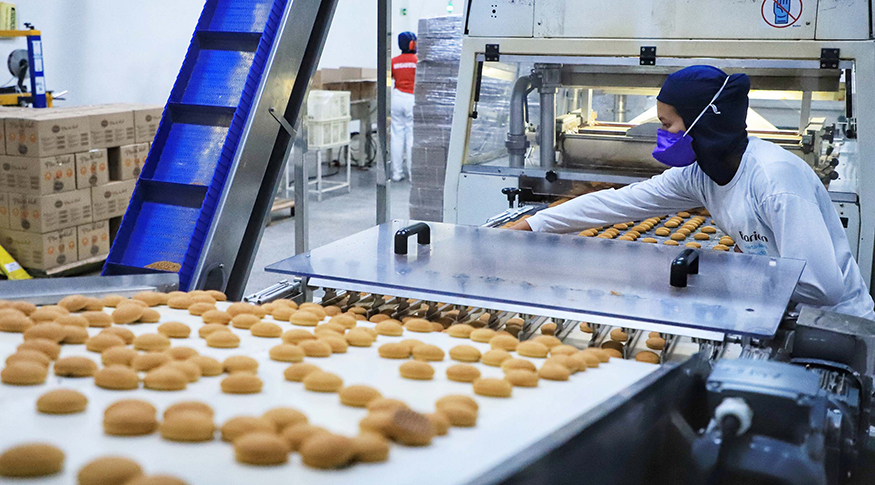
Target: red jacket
(404,72)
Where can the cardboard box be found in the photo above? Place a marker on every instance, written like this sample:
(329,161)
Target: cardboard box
(46,132)
(47,213)
(38,176)
(111,200)
(93,239)
(41,251)
(111,126)
(126,162)
(146,121)
(4,211)
(358,74)
(331,75)
(92,168)
(316,80)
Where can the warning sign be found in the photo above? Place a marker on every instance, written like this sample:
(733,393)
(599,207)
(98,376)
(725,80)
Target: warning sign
(781,14)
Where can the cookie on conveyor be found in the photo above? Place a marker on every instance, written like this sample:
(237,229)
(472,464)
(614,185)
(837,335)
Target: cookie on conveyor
(260,448)
(518,364)
(336,342)
(394,350)
(492,387)
(465,353)
(532,349)
(29,356)
(51,349)
(15,322)
(48,330)
(647,356)
(370,448)
(284,417)
(62,401)
(297,372)
(315,348)
(459,415)
(156,480)
(130,417)
(266,330)
(108,470)
(319,381)
(304,318)
(419,325)
(151,342)
(216,316)
(417,369)
(149,360)
(495,357)
(410,428)
(242,383)
(359,337)
(554,372)
(118,355)
(286,353)
(211,328)
(241,425)
(209,366)
(483,335)
(223,340)
(165,378)
(75,366)
(522,378)
(240,363)
(189,406)
(297,434)
(327,450)
(463,373)
(103,341)
(440,422)
(31,460)
(187,426)
(461,330)
(121,332)
(174,330)
(127,313)
(24,373)
(504,342)
(244,321)
(358,395)
(389,328)
(428,353)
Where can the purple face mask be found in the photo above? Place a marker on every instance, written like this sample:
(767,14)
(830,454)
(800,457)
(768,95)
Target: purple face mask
(674,149)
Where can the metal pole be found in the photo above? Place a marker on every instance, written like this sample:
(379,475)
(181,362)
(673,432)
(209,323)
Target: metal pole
(302,186)
(805,112)
(548,127)
(384,75)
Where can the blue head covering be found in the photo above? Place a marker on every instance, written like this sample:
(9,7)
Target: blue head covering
(715,136)
(404,40)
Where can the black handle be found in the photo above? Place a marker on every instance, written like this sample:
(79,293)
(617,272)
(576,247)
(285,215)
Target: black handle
(511,193)
(422,231)
(686,263)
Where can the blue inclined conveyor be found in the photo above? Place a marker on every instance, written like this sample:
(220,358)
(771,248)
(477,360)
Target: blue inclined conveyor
(215,106)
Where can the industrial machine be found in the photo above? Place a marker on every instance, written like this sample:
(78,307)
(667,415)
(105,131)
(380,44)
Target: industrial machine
(579,112)
(26,64)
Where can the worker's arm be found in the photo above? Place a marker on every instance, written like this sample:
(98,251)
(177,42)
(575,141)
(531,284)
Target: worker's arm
(801,233)
(668,192)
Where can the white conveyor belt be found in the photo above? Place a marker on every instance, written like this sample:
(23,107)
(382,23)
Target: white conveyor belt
(505,426)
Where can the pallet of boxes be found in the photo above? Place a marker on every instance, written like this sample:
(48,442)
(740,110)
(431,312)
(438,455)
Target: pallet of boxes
(66,177)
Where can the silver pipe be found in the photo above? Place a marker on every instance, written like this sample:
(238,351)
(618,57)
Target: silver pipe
(384,74)
(516,138)
(547,136)
(302,187)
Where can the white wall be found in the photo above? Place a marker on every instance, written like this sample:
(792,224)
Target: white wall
(106,51)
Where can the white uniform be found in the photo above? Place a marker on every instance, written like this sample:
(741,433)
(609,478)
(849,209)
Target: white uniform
(774,205)
(402,132)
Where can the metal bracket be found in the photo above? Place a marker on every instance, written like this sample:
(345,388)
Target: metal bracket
(829,58)
(283,122)
(647,56)
(492,54)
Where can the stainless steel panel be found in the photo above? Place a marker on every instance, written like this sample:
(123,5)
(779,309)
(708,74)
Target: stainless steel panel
(733,293)
(50,291)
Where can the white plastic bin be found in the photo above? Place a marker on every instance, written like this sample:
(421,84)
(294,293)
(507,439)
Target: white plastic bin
(328,105)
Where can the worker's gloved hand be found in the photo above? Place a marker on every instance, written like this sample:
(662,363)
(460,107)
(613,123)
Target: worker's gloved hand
(782,11)
(521,226)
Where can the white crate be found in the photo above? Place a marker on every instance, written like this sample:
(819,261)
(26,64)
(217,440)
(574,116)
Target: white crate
(327,133)
(328,105)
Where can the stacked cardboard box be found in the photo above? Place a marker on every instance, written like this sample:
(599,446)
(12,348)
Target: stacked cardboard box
(437,70)
(361,82)
(65,174)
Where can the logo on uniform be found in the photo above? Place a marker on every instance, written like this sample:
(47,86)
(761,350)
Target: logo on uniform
(753,237)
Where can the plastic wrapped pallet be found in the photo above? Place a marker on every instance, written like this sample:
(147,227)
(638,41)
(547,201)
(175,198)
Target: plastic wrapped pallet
(439,49)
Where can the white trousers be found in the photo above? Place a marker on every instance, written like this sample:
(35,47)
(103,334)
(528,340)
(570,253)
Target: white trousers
(402,132)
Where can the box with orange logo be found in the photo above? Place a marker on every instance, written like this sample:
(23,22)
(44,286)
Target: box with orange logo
(146,119)
(46,132)
(41,251)
(93,239)
(110,125)
(92,168)
(38,176)
(111,200)
(4,211)
(46,213)
(126,162)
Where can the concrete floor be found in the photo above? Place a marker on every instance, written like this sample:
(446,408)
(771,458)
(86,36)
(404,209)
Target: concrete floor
(340,214)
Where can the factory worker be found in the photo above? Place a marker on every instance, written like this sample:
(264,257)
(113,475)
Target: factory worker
(404,74)
(769,200)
